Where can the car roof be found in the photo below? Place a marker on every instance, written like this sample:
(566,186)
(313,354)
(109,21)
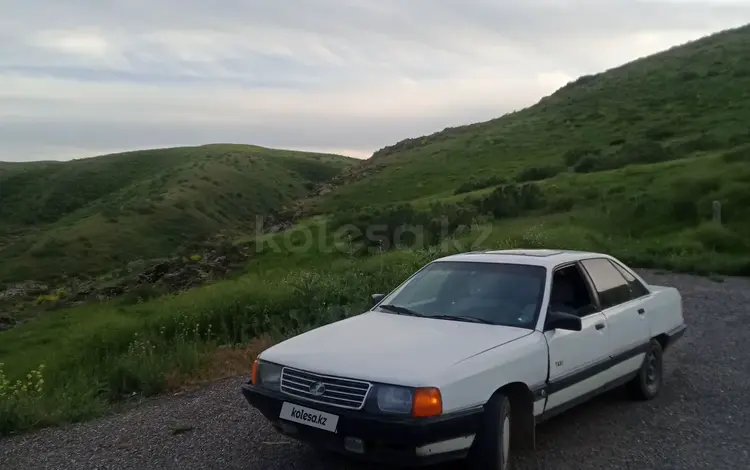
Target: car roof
(537,257)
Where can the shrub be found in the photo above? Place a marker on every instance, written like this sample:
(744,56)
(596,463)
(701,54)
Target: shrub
(19,399)
(537,173)
(573,156)
(699,143)
(641,152)
(630,153)
(741,154)
(402,225)
(511,200)
(716,237)
(141,293)
(476,184)
(659,133)
(586,165)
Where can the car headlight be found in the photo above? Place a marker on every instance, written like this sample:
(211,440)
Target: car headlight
(269,375)
(394,399)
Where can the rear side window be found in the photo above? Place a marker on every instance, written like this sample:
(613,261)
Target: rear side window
(612,287)
(637,289)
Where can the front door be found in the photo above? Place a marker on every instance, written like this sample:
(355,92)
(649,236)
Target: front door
(576,360)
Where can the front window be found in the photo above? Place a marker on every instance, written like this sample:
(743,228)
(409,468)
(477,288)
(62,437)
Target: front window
(496,293)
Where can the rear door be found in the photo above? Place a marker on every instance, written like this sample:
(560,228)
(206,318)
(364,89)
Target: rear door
(623,304)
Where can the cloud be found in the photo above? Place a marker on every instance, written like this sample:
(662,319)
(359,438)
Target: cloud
(78,78)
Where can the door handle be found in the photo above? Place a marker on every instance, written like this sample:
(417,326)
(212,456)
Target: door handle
(600,326)
(641,311)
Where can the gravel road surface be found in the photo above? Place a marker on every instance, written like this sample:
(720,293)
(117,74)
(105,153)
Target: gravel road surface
(701,420)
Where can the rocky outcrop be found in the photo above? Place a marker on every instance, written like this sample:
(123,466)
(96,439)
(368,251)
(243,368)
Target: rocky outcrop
(23,290)
(139,280)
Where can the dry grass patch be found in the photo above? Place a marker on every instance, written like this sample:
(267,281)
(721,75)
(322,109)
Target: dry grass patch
(222,363)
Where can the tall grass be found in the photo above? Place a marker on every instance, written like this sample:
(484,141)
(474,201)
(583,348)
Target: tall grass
(175,334)
(133,357)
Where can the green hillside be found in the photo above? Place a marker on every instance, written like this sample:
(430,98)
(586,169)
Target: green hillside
(638,153)
(627,162)
(88,215)
(690,101)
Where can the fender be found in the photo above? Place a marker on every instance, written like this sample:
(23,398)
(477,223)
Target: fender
(473,381)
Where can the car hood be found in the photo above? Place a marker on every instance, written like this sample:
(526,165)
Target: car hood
(389,348)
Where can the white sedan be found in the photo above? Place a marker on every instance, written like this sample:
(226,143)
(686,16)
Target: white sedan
(465,357)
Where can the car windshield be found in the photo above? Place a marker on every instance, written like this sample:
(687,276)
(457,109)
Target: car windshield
(496,293)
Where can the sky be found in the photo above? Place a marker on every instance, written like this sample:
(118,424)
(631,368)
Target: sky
(80,78)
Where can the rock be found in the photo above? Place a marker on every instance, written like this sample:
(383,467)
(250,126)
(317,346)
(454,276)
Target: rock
(141,279)
(6,322)
(24,290)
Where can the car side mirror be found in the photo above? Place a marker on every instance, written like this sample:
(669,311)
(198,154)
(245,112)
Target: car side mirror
(562,321)
(377,298)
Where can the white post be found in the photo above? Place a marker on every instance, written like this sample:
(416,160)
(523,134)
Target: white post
(717,212)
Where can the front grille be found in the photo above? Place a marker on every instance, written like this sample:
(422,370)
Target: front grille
(344,393)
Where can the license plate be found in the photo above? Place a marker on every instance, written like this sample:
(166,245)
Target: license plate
(309,417)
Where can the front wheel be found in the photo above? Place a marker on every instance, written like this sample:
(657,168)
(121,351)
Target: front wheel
(647,384)
(491,448)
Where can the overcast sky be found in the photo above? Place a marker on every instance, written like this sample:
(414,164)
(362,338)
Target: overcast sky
(82,77)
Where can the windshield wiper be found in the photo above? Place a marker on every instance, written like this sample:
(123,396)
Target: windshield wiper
(407,311)
(401,310)
(461,318)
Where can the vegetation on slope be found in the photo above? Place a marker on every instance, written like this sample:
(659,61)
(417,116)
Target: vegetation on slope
(687,101)
(89,215)
(627,162)
(639,152)
(100,354)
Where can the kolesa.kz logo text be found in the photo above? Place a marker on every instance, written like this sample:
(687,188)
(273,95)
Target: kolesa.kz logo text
(305,416)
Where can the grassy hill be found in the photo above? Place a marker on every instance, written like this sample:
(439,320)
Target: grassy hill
(640,151)
(628,162)
(690,100)
(88,215)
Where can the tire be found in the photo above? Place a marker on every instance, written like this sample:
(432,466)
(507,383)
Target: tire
(491,448)
(647,384)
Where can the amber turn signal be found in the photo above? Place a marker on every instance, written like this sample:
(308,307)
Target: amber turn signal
(254,376)
(427,402)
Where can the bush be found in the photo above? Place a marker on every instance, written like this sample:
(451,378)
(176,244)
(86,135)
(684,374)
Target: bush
(402,225)
(629,154)
(586,165)
(573,156)
(537,173)
(699,143)
(716,237)
(741,154)
(19,399)
(141,293)
(476,184)
(659,133)
(641,152)
(511,200)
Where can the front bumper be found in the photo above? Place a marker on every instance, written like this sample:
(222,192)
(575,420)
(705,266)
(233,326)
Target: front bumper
(385,439)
